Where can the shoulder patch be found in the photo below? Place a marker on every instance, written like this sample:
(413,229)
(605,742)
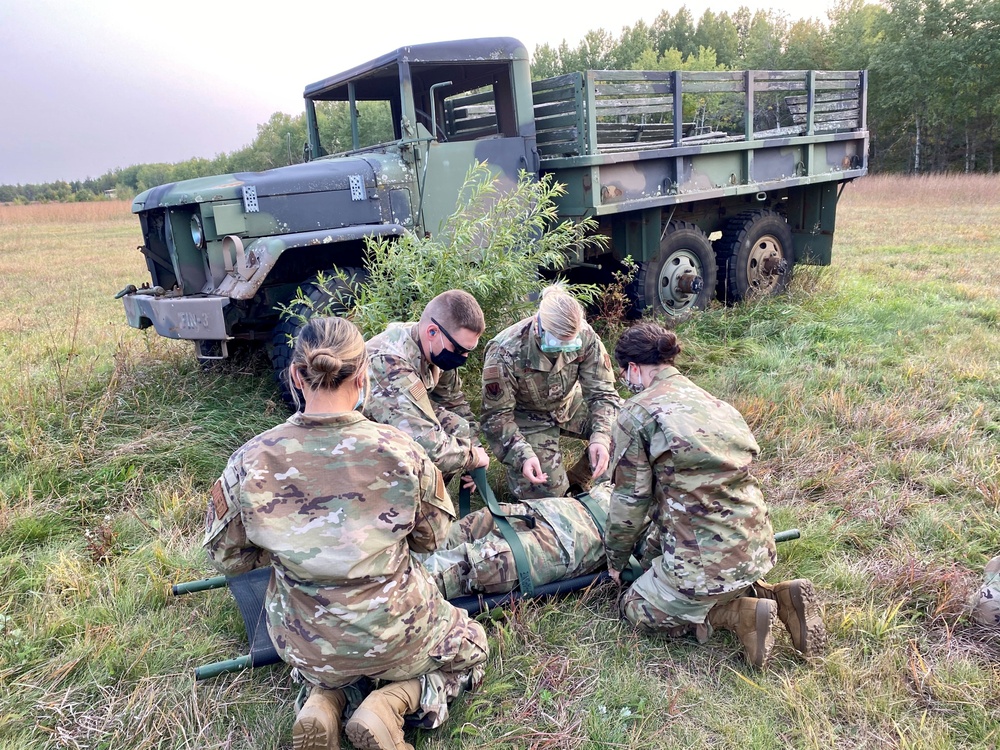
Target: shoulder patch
(493,390)
(219,500)
(491,372)
(440,492)
(607,361)
(417,391)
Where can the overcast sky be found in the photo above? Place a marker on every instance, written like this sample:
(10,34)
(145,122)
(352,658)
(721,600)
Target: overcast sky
(89,86)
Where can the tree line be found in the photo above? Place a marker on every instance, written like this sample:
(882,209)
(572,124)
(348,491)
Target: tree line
(934,84)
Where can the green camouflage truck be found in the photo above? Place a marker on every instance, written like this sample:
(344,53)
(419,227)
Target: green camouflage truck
(715,183)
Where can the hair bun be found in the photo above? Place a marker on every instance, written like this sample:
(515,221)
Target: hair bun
(325,362)
(667,344)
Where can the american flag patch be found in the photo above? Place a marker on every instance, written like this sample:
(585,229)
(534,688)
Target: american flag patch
(417,391)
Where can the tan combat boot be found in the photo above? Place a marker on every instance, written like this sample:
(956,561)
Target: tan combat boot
(317,725)
(753,622)
(986,610)
(798,611)
(378,722)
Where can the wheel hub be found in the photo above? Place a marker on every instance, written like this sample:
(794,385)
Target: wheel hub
(766,264)
(680,281)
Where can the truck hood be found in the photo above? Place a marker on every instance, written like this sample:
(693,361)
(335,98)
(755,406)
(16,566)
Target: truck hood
(319,176)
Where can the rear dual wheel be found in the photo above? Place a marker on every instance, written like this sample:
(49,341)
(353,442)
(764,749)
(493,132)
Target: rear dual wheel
(755,256)
(681,277)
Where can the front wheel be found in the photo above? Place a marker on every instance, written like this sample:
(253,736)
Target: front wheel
(332,298)
(681,277)
(755,256)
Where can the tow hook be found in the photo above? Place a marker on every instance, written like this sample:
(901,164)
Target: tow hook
(154,291)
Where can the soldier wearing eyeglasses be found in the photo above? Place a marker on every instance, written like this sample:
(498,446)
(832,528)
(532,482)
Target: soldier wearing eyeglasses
(544,377)
(415,384)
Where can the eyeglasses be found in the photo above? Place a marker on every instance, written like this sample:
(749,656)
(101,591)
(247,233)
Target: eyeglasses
(459,349)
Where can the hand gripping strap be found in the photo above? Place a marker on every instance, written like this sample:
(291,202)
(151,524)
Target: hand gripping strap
(521,565)
(600,519)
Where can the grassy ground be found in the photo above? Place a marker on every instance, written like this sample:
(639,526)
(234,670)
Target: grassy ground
(873,389)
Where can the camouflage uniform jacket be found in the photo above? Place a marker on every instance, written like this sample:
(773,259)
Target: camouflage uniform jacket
(519,377)
(687,454)
(422,400)
(338,502)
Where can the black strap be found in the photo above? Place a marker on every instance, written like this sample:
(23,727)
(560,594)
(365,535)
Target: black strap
(521,565)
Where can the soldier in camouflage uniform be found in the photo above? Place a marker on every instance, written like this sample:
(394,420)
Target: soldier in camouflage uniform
(337,504)
(681,457)
(415,383)
(546,376)
(986,610)
(564,543)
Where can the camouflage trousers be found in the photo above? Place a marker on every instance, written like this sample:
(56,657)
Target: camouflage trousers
(542,432)
(986,610)
(651,605)
(452,667)
(476,559)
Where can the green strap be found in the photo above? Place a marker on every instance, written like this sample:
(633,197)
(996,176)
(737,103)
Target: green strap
(521,565)
(600,519)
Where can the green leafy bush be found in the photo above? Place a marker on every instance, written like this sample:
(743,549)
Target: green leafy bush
(501,245)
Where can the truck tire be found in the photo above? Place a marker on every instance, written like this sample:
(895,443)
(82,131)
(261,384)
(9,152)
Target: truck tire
(681,277)
(756,256)
(337,292)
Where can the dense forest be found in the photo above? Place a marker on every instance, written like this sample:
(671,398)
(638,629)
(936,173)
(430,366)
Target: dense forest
(934,92)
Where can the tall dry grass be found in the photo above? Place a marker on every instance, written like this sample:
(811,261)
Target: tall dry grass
(873,388)
(89,212)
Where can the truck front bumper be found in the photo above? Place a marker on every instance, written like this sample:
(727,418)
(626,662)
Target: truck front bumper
(192,318)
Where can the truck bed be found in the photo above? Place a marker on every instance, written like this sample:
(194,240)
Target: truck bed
(628,140)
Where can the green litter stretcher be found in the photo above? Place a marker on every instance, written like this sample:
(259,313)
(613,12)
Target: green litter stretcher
(250,589)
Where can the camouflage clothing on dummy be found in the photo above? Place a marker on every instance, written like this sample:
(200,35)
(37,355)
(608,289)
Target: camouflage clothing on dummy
(987,608)
(530,398)
(337,503)
(565,543)
(682,457)
(422,400)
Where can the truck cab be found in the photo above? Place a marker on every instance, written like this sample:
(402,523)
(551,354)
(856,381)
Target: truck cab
(224,251)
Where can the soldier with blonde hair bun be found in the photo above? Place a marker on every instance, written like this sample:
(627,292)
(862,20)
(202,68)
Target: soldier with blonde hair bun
(338,505)
(544,377)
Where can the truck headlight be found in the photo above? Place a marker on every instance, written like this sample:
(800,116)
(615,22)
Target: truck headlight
(197,232)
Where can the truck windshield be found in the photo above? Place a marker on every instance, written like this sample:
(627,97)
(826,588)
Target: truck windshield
(334,122)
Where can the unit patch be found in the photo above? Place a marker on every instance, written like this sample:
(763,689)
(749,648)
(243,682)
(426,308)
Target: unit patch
(219,500)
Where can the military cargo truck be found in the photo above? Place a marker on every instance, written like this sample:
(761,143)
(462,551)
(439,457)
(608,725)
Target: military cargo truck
(715,183)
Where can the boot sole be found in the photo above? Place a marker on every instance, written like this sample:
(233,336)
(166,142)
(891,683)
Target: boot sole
(802,598)
(767,614)
(367,731)
(311,734)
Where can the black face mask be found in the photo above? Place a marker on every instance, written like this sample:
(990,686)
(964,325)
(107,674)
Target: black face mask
(448,360)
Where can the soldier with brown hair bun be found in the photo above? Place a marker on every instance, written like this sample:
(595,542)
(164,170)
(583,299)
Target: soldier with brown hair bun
(681,457)
(337,505)
(546,376)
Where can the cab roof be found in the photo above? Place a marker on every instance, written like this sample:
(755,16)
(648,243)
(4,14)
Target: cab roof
(484,49)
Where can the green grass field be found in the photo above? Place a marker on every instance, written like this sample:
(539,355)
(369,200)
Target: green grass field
(873,388)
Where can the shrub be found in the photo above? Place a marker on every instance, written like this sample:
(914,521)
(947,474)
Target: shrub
(500,245)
